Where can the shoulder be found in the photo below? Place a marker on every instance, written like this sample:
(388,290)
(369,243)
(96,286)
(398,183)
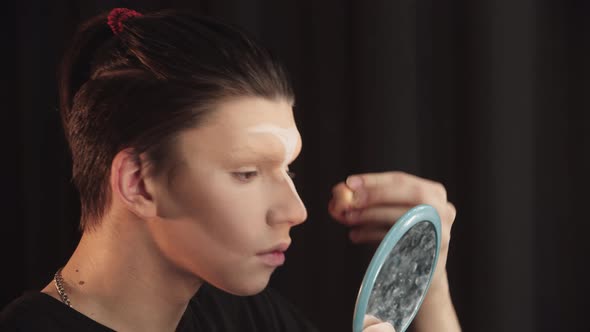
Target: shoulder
(36,311)
(21,313)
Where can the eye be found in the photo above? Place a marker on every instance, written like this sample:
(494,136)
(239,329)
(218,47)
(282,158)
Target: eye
(245,176)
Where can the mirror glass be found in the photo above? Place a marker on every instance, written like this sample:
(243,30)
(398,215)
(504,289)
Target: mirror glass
(404,276)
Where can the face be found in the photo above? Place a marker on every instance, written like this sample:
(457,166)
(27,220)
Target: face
(230,199)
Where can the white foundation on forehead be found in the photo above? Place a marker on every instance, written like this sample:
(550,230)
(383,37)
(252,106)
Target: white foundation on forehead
(287,136)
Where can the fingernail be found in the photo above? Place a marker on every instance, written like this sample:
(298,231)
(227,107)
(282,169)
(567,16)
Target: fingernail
(354,182)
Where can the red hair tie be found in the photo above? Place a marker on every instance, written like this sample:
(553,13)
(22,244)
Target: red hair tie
(118,16)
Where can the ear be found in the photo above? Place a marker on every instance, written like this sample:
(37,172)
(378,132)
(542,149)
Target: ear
(128,183)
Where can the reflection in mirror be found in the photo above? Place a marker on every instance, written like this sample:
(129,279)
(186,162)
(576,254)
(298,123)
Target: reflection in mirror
(404,276)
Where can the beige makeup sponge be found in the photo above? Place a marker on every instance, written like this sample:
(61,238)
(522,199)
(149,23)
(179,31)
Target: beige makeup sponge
(343,198)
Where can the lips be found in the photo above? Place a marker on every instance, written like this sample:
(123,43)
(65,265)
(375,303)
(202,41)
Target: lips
(281,247)
(274,256)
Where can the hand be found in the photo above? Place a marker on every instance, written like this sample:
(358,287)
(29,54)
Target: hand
(371,203)
(373,324)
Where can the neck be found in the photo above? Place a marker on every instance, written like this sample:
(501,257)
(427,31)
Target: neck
(118,278)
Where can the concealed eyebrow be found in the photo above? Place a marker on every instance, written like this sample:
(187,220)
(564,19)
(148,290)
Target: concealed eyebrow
(266,156)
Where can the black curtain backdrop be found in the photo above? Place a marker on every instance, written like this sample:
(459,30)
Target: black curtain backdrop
(489,97)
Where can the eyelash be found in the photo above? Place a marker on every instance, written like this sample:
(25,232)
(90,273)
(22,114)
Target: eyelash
(251,174)
(240,175)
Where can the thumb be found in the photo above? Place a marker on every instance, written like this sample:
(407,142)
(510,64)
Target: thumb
(374,324)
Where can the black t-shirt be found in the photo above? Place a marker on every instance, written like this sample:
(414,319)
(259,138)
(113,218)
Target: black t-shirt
(210,310)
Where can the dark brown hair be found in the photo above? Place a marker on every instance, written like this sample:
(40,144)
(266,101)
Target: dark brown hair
(161,74)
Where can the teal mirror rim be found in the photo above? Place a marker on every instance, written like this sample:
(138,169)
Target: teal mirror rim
(415,215)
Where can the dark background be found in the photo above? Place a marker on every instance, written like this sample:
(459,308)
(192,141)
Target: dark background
(489,97)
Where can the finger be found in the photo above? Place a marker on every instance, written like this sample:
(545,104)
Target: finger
(381,327)
(394,188)
(374,324)
(370,320)
(447,212)
(367,234)
(375,215)
(378,222)
(452,211)
(342,198)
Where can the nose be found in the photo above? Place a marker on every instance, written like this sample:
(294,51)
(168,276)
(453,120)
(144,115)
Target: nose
(287,206)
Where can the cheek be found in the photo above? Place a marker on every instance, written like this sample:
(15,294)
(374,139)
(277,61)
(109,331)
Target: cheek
(219,229)
(213,210)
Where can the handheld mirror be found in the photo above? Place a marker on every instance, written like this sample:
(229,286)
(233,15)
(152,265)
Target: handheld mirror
(400,271)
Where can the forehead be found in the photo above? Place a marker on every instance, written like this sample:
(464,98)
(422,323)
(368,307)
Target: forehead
(248,124)
(240,113)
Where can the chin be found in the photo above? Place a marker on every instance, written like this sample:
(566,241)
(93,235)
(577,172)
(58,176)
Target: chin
(245,287)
